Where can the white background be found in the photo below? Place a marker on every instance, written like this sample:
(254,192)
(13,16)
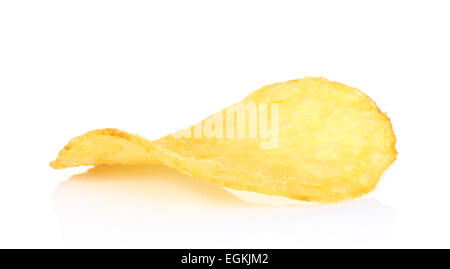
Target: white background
(151,68)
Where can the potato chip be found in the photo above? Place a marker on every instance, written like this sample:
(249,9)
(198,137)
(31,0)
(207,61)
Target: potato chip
(309,139)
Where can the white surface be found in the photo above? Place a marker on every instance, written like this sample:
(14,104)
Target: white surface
(152,68)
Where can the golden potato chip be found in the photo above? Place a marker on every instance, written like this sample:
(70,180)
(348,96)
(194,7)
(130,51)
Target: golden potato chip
(310,139)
